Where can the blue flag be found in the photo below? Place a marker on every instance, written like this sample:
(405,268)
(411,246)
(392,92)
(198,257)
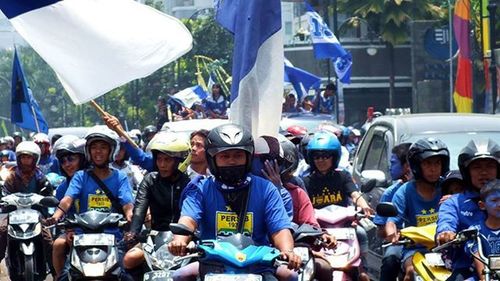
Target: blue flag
(327,46)
(190,96)
(25,111)
(301,80)
(257,72)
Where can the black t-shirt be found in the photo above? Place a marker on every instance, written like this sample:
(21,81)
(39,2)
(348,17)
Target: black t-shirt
(333,188)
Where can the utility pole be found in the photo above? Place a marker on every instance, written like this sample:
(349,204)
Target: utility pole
(492,7)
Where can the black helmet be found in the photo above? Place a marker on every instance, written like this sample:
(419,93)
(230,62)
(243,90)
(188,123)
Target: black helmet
(227,137)
(69,144)
(477,149)
(303,145)
(426,148)
(17,135)
(290,155)
(149,130)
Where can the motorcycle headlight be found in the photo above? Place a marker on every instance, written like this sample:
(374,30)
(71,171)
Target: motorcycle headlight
(24,230)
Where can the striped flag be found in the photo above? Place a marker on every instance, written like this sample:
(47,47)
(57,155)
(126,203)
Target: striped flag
(463,84)
(257,75)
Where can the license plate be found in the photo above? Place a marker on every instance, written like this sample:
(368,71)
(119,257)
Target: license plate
(158,275)
(434,259)
(94,239)
(23,216)
(233,277)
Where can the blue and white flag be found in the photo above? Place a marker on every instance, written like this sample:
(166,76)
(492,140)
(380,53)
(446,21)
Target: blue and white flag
(24,111)
(211,81)
(95,46)
(343,67)
(325,43)
(301,80)
(190,96)
(257,76)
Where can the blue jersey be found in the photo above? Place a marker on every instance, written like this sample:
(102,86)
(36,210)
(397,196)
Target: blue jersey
(457,213)
(139,157)
(413,210)
(217,106)
(265,216)
(61,191)
(387,197)
(490,240)
(49,165)
(91,197)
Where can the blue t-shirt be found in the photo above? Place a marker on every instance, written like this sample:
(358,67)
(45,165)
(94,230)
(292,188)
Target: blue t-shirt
(87,194)
(325,105)
(265,216)
(387,197)
(83,188)
(49,165)
(413,210)
(217,106)
(457,213)
(139,157)
(12,155)
(61,191)
(490,240)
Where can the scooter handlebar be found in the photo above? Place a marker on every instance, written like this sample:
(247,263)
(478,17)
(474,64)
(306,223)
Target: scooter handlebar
(403,242)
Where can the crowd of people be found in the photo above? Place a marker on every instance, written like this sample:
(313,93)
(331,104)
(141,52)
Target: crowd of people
(167,177)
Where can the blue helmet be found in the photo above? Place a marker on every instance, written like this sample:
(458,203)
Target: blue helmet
(327,143)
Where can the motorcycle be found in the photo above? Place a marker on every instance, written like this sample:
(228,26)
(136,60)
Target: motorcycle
(94,254)
(26,259)
(230,258)
(306,237)
(161,263)
(429,266)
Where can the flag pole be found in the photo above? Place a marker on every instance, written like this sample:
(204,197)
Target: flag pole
(36,119)
(118,129)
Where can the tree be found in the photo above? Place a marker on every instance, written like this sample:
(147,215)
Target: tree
(390,19)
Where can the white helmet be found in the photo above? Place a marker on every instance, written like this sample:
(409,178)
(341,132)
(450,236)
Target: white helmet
(41,138)
(28,147)
(103,133)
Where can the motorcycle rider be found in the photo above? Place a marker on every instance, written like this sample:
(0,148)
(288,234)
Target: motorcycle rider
(70,152)
(48,163)
(328,185)
(229,150)
(479,162)
(488,228)
(160,191)
(199,165)
(400,174)
(122,163)
(417,201)
(26,177)
(101,148)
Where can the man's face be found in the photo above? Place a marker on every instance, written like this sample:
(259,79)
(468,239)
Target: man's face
(431,168)
(482,171)
(99,152)
(26,162)
(121,154)
(165,164)
(328,93)
(232,157)
(198,149)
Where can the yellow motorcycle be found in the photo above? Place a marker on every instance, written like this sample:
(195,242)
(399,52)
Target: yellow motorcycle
(429,266)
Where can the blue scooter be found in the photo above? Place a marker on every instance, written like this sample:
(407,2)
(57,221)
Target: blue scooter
(232,258)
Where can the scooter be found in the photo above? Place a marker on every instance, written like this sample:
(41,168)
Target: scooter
(345,259)
(429,266)
(26,258)
(230,258)
(306,238)
(94,254)
(161,263)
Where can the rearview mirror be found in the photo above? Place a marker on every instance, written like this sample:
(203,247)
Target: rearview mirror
(386,209)
(377,175)
(49,201)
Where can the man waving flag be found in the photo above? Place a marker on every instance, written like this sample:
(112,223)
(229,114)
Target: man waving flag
(257,77)
(327,46)
(95,46)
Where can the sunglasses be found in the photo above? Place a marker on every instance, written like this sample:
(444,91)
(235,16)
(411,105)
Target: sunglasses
(321,155)
(69,158)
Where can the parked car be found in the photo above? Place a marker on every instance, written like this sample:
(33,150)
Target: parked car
(455,130)
(372,158)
